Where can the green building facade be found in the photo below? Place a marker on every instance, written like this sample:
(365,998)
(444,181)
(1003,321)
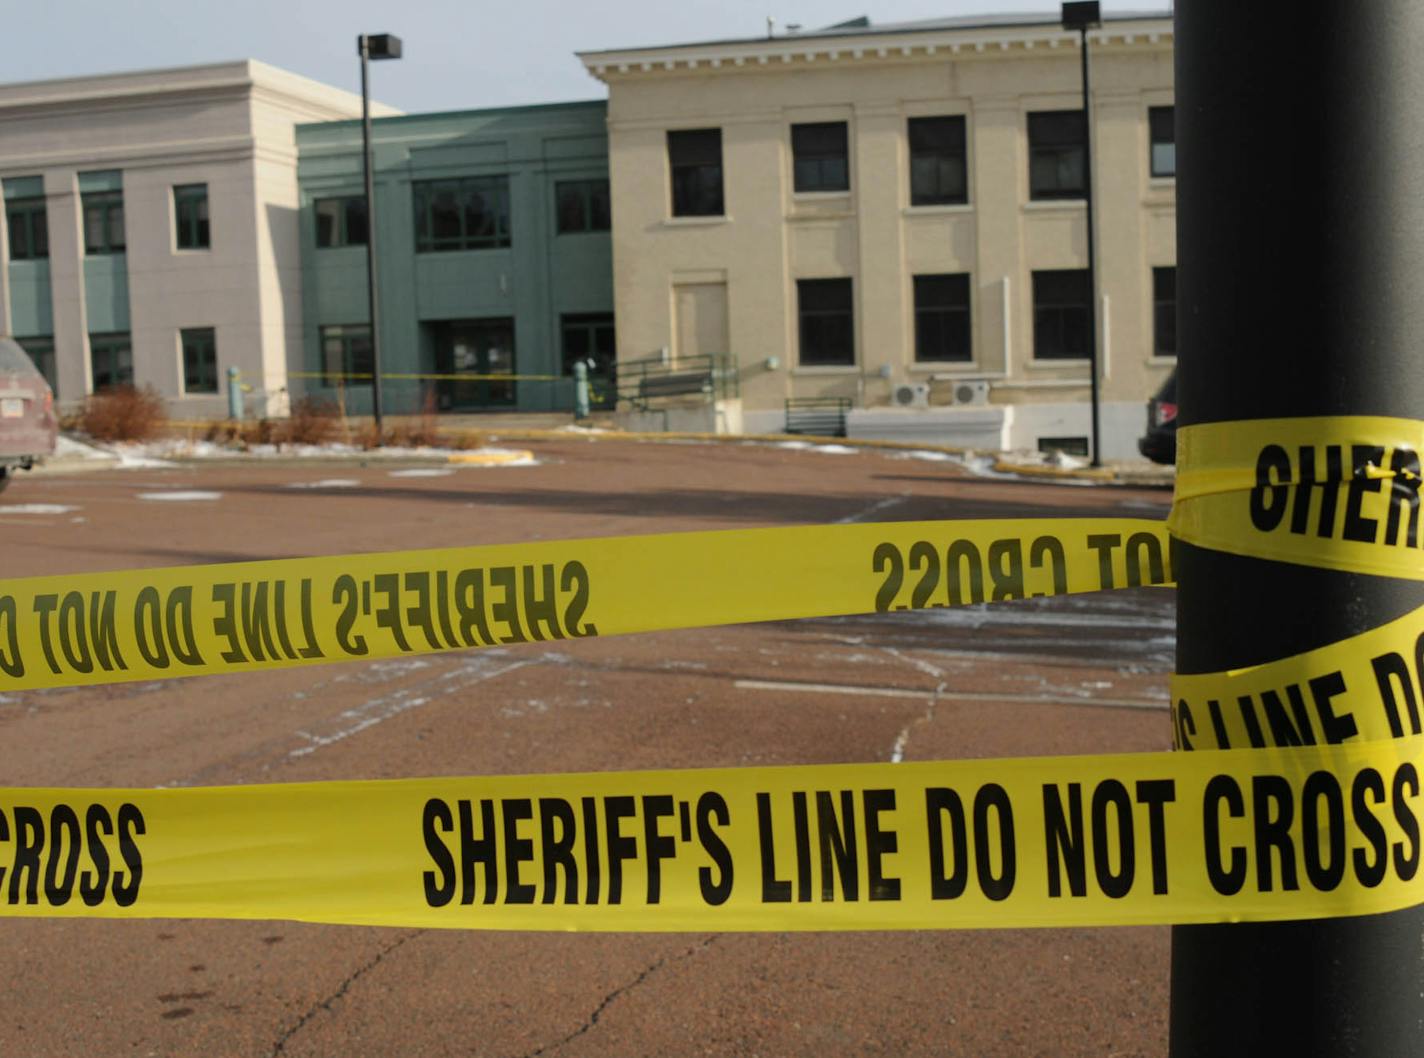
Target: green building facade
(493,250)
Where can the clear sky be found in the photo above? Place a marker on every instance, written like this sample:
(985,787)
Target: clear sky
(459,54)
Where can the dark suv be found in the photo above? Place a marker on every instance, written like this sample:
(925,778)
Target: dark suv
(1159,443)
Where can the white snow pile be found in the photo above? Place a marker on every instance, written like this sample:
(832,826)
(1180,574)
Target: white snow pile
(813,446)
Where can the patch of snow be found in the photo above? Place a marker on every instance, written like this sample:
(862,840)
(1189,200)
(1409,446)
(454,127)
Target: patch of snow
(36,508)
(181,495)
(422,472)
(810,446)
(325,483)
(930,457)
(69,448)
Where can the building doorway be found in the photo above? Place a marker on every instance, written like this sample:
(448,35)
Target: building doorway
(482,349)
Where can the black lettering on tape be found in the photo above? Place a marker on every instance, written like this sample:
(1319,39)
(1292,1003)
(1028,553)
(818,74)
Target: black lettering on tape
(541,604)
(131,826)
(1362,459)
(1406,858)
(575,578)
(1156,794)
(97,825)
(504,607)
(517,850)
(1271,495)
(712,809)
(1051,549)
(660,846)
(924,559)
(621,847)
(887,560)
(10,661)
(1324,864)
(225,623)
(1222,790)
(1369,869)
(1273,812)
(1403,491)
(478,852)
(346,594)
(44,607)
(941,802)
(1064,830)
(1390,671)
(774,890)
(1105,544)
(64,846)
(440,883)
(840,853)
(73,640)
(992,796)
(556,849)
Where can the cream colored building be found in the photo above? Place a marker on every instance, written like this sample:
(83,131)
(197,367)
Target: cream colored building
(997,230)
(152,230)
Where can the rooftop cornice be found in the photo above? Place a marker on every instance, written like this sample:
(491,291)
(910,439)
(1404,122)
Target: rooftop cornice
(908,45)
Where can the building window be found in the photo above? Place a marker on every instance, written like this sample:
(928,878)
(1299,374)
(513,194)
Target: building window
(820,157)
(942,318)
(1161,124)
(938,162)
(827,322)
(1057,155)
(200,360)
(1164,311)
(346,352)
(590,337)
(29,232)
(1061,303)
(471,213)
(695,161)
(110,361)
(340,221)
(41,351)
(581,205)
(103,222)
(190,216)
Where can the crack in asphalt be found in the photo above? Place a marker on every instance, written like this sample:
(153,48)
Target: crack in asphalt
(897,752)
(613,995)
(280,1046)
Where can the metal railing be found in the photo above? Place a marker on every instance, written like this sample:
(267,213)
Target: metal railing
(710,376)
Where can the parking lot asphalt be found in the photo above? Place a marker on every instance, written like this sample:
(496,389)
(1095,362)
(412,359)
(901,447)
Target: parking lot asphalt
(1084,674)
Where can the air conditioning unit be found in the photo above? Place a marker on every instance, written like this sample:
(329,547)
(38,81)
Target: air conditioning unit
(911,395)
(972,392)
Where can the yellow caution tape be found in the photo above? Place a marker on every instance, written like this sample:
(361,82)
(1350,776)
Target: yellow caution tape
(1363,688)
(1338,492)
(1233,836)
(155,623)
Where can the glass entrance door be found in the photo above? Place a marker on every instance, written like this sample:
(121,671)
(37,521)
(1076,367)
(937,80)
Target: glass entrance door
(483,350)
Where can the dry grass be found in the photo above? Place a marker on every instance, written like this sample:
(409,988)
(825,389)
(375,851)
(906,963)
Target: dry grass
(124,414)
(312,422)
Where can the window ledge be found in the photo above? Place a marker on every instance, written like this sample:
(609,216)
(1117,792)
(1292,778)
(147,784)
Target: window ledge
(1162,361)
(945,369)
(1165,183)
(192,251)
(1035,364)
(938,210)
(826,369)
(819,196)
(696,222)
(1050,204)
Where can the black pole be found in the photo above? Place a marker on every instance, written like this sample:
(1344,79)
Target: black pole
(1300,249)
(363,46)
(1092,255)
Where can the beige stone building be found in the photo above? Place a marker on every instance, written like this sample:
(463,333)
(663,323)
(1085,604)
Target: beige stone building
(152,228)
(895,215)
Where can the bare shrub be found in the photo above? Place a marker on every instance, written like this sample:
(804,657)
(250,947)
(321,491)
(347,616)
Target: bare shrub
(419,432)
(124,414)
(313,422)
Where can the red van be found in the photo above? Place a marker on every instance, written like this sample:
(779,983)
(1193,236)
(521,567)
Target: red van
(28,427)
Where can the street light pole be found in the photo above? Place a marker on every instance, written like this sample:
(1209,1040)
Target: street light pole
(1299,296)
(373,46)
(1083,15)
